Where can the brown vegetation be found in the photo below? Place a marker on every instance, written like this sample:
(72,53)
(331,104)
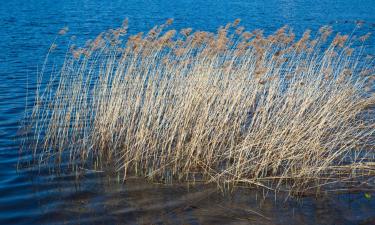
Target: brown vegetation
(232,107)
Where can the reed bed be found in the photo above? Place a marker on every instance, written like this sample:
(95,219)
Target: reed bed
(232,107)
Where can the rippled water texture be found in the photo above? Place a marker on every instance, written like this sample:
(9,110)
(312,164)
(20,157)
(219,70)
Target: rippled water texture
(28,27)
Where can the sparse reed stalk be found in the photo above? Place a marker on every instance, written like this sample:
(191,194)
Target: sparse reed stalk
(232,107)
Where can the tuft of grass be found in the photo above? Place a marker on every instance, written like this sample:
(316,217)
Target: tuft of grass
(232,107)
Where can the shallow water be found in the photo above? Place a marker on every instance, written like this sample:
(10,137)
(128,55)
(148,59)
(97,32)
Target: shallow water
(28,27)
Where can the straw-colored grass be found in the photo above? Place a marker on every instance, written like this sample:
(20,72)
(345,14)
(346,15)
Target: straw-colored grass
(231,107)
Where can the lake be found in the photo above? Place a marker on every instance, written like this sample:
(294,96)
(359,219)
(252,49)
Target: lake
(33,196)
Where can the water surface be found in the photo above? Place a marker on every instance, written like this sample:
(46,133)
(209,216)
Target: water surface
(28,27)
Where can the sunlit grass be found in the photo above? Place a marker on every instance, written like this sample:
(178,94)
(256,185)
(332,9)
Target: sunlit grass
(232,107)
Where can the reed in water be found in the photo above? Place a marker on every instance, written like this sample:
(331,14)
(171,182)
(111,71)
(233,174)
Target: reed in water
(232,107)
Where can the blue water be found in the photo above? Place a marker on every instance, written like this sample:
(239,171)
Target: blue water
(28,27)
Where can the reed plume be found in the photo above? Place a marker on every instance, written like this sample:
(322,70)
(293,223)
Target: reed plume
(232,107)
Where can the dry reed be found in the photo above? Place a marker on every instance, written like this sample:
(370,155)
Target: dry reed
(229,107)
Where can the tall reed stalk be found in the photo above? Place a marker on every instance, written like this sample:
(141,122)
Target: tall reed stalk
(232,107)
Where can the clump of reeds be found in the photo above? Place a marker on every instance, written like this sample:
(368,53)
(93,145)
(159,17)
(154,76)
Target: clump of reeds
(230,107)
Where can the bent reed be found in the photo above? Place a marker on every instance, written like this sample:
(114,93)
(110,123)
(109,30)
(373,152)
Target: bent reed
(232,107)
